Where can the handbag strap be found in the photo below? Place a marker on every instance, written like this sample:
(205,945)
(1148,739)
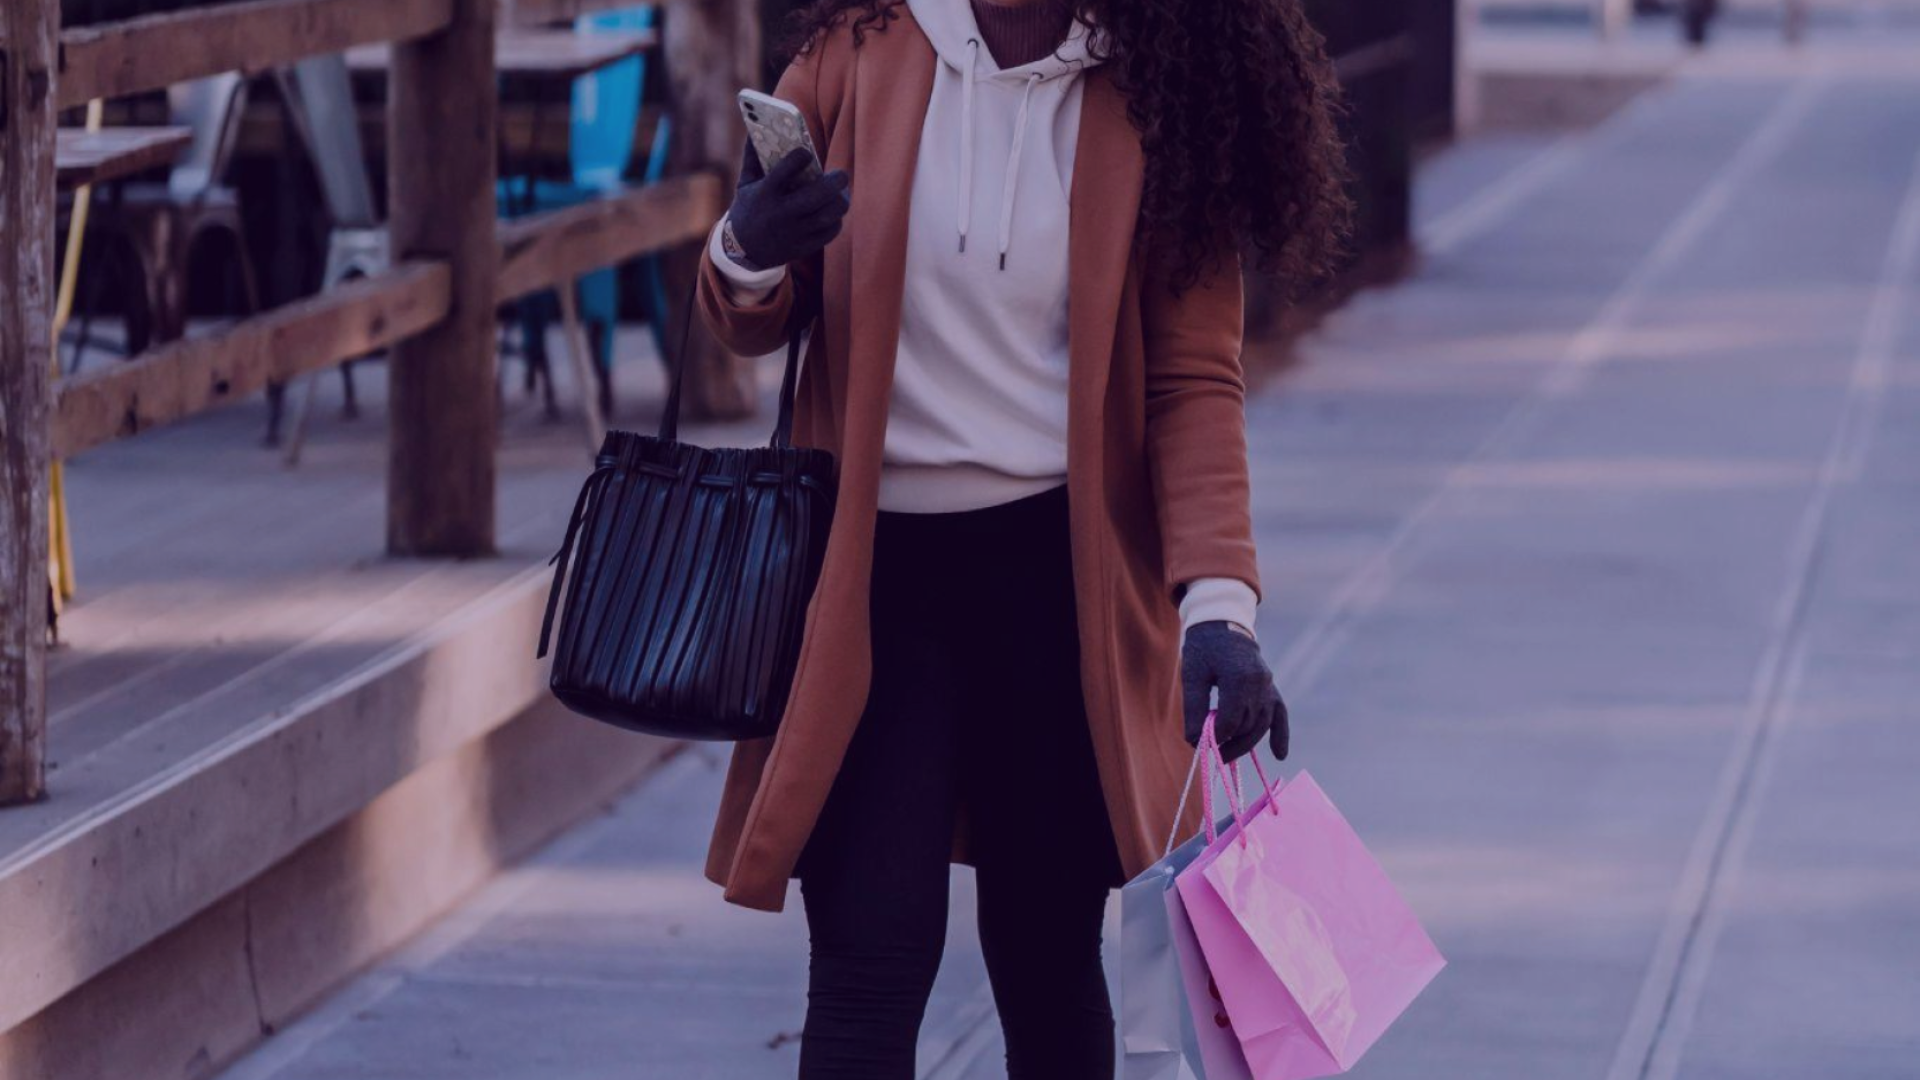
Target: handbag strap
(798,319)
(669,428)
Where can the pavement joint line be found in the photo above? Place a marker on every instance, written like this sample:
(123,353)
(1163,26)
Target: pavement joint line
(461,922)
(1501,198)
(289,1044)
(1511,191)
(1670,998)
(1593,343)
(1881,337)
(1308,655)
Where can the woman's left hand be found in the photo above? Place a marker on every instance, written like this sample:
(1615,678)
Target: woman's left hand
(1225,656)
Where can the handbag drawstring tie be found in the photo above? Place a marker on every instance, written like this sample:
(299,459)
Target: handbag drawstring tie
(563,558)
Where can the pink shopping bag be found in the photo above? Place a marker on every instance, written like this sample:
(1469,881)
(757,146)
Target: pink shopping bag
(1312,949)
(1172,1022)
(1221,1057)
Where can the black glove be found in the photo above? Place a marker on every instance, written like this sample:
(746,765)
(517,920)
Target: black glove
(779,217)
(1218,654)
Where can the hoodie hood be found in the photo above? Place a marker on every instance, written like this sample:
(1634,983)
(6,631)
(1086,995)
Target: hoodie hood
(950,26)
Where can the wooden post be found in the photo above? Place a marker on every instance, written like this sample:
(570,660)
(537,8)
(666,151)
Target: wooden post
(1466,78)
(441,167)
(712,49)
(1612,17)
(29,30)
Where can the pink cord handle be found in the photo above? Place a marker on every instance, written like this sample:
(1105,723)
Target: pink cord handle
(1230,779)
(1207,753)
(1209,748)
(1265,784)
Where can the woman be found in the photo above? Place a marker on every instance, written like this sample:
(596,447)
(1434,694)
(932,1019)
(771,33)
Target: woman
(1025,260)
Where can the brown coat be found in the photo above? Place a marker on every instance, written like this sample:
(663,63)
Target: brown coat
(1157,463)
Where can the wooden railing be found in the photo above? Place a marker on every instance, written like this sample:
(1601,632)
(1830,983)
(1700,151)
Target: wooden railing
(433,311)
(156,51)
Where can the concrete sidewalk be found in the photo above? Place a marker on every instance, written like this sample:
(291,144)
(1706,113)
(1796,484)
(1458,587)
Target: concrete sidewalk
(1593,564)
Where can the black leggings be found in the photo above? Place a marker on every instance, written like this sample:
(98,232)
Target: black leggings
(976,703)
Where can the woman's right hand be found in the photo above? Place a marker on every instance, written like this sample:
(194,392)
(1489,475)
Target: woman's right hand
(778,217)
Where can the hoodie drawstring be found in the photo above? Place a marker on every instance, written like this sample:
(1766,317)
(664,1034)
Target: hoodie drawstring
(966,144)
(1010,187)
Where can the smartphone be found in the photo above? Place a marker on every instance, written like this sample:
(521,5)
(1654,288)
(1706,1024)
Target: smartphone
(777,129)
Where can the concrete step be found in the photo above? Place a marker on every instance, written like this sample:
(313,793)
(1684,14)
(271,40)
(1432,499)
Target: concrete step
(275,753)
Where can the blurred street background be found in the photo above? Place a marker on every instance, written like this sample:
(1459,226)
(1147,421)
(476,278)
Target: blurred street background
(1593,556)
(1589,519)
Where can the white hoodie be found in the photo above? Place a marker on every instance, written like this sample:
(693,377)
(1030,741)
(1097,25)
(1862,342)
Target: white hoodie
(978,415)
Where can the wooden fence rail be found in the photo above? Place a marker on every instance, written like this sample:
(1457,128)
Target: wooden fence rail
(542,250)
(434,310)
(156,51)
(187,377)
(537,252)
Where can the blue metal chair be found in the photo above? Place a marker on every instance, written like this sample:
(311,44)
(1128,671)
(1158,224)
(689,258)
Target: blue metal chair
(604,114)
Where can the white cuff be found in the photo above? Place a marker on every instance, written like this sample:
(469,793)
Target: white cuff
(746,286)
(1217,599)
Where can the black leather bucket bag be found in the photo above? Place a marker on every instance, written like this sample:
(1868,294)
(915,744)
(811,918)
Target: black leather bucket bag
(691,570)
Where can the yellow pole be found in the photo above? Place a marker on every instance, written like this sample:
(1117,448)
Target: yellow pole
(60,549)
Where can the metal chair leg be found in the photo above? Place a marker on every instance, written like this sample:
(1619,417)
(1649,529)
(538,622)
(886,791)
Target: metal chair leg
(307,386)
(350,400)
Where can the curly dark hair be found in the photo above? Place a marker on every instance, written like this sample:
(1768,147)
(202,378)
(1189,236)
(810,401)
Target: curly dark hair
(1235,102)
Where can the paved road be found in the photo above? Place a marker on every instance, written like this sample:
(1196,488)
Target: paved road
(1594,563)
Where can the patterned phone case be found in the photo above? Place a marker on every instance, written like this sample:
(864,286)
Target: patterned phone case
(777,130)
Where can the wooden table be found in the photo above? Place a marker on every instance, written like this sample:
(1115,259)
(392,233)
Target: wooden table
(95,157)
(528,54)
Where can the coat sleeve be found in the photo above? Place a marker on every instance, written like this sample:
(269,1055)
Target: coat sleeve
(1196,428)
(759,326)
